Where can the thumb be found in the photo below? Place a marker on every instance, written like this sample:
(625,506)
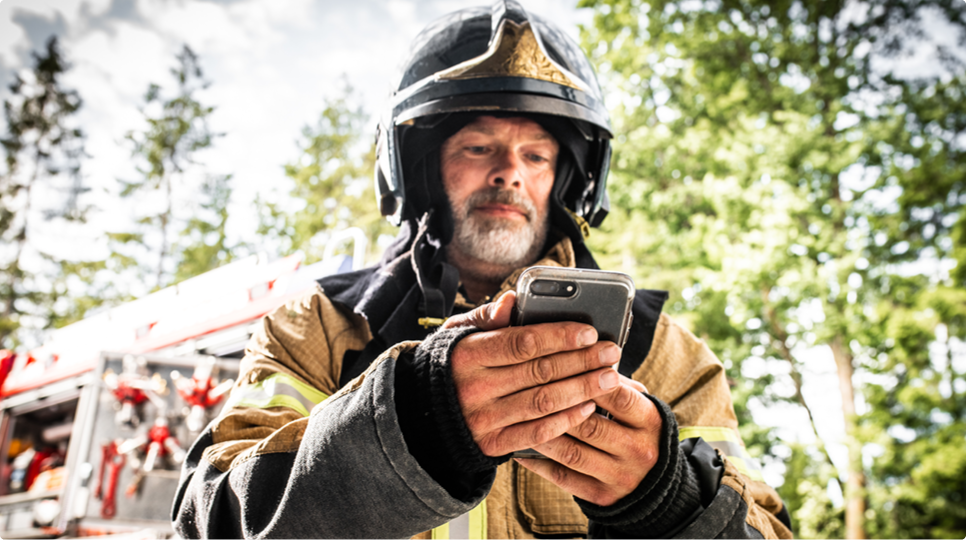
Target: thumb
(488,316)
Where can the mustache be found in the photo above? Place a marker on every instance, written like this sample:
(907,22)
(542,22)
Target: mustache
(496,195)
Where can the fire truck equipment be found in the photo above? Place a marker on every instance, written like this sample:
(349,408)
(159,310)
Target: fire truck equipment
(97,384)
(132,388)
(148,449)
(112,461)
(46,511)
(200,392)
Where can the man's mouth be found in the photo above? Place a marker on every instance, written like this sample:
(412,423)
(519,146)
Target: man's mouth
(506,211)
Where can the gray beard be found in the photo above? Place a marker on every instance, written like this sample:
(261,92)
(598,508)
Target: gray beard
(499,242)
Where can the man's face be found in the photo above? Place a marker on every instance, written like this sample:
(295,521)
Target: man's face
(498,174)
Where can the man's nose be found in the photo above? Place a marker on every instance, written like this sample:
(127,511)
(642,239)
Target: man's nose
(508,171)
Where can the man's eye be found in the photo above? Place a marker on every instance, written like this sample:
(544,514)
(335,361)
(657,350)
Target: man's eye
(536,158)
(476,149)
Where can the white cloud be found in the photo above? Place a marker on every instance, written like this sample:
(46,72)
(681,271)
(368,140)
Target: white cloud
(10,36)
(270,63)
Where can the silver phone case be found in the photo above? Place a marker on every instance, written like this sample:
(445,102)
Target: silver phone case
(603,300)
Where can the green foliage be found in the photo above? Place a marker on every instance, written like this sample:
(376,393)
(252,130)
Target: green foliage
(204,236)
(805,490)
(176,130)
(918,397)
(42,150)
(817,516)
(798,196)
(331,186)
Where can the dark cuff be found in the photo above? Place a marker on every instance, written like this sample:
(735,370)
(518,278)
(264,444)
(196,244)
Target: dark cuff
(431,419)
(667,498)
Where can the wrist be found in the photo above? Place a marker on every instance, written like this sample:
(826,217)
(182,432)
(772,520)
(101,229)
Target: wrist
(431,418)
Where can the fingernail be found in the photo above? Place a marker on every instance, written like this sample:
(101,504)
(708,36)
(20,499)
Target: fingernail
(609,379)
(505,298)
(587,336)
(588,408)
(610,355)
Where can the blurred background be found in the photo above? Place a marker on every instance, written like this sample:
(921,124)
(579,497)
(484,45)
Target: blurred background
(792,172)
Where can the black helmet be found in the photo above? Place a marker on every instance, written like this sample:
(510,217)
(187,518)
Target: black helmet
(498,61)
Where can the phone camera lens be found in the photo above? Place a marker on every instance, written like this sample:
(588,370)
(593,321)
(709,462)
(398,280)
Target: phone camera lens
(550,287)
(545,287)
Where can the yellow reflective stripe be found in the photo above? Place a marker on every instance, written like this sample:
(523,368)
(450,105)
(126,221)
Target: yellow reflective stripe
(728,442)
(742,465)
(708,433)
(477,527)
(277,390)
(478,521)
(274,401)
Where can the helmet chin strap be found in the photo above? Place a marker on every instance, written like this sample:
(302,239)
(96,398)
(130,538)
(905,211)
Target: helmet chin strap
(438,279)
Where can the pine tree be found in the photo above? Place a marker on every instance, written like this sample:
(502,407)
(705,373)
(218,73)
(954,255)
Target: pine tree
(177,129)
(331,186)
(43,149)
(204,243)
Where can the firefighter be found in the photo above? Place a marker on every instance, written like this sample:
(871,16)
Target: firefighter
(386,402)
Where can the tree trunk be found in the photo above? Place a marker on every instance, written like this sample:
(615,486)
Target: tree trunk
(165,218)
(780,335)
(855,484)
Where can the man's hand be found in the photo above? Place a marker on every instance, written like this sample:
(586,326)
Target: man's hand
(523,386)
(603,460)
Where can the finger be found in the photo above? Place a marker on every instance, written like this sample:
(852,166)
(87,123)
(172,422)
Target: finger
(616,475)
(636,385)
(542,401)
(631,408)
(488,316)
(581,457)
(571,481)
(515,345)
(529,434)
(611,438)
(601,433)
(508,380)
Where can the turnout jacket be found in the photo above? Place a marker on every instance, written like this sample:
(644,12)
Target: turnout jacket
(336,427)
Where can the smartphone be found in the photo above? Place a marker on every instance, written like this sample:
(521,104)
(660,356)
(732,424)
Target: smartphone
(599,298)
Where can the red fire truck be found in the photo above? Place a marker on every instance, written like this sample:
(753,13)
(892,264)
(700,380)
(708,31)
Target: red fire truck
(94,424)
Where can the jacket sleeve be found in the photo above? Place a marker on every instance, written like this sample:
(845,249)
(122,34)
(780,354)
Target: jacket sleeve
(735,502)
(277,464)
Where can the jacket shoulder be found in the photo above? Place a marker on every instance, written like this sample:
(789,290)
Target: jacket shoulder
(682,371)
(307,338)
(348,288)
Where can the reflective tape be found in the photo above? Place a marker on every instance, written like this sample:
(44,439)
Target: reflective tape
(728,442)
(470,525)
(277,390)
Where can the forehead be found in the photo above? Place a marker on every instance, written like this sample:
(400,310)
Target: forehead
(513,127)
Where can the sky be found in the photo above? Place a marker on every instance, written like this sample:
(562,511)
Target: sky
(271,65)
